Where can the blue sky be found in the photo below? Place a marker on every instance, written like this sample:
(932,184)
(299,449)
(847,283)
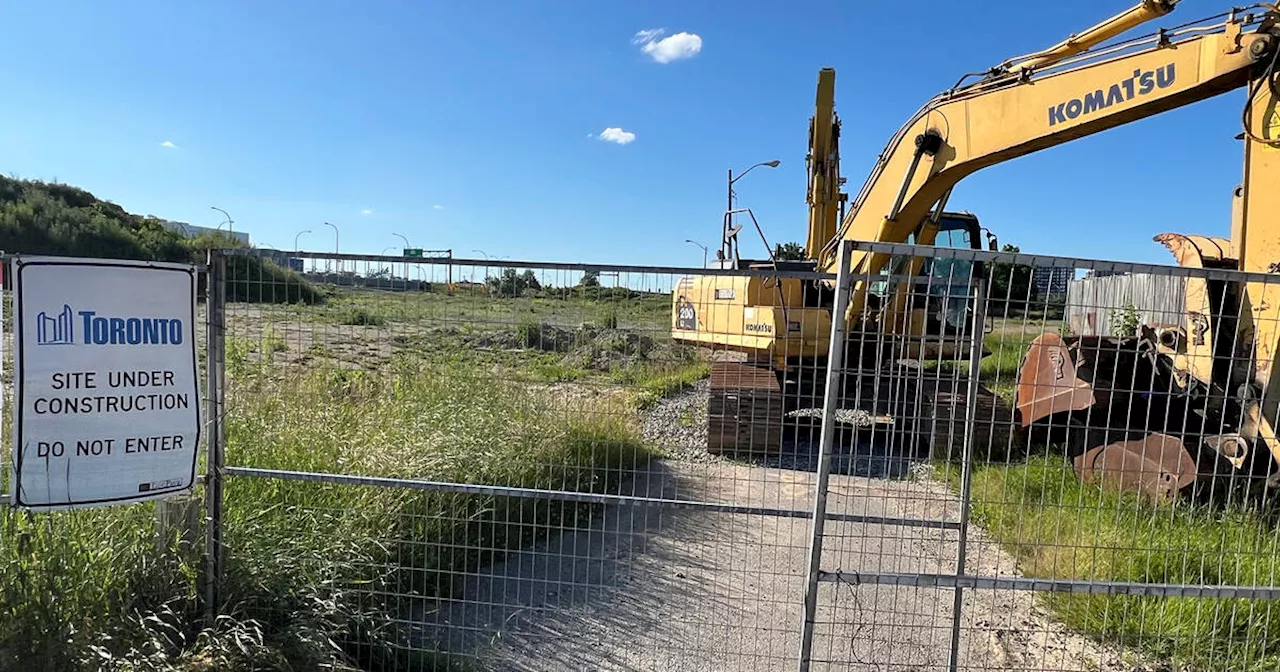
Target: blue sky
(479,125)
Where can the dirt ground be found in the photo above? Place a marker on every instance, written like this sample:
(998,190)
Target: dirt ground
(650,588)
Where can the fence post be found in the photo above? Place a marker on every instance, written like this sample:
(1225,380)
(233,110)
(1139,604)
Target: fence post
(830,400)
(978,331)
(180,513)
(215,332)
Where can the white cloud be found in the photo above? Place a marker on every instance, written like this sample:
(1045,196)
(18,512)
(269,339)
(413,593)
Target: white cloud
(670,48)
(617,135)
(367,211)
(168,145)
(438,207)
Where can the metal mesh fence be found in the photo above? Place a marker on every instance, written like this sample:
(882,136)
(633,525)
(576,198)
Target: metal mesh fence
(1091,473)
(1017,462)
(519,466)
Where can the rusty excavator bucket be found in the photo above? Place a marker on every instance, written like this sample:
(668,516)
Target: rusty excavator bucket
(1129,420)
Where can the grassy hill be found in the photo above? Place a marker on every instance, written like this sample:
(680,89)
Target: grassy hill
(38,218)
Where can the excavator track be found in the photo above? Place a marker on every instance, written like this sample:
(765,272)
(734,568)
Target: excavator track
(947,416)
(921,411)
(745,409)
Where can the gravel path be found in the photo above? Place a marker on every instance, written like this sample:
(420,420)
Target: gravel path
(673,589)
(678,425)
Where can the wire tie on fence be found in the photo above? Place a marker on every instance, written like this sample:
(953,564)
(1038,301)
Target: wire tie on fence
(843,577)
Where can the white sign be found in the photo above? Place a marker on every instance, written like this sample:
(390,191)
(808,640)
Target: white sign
(107,397)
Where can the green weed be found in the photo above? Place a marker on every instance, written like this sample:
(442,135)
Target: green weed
(272,342)
(1125,321)
(608,317)
(529,331)
(555,372)
(359,316)
(1059,527)
(653,382)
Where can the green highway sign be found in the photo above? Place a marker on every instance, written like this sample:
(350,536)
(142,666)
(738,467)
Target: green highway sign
(413,251)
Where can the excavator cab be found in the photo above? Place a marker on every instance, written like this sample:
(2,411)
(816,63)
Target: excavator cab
(948,281)
(933,310)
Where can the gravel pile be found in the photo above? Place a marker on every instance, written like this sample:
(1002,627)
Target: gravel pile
(855,417)
(678,425)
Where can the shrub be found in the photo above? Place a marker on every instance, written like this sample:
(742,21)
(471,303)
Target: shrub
(608,317)
(529,331)
(360,316)
(1124,321)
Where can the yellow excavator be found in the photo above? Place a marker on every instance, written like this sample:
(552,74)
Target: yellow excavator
(1093,81)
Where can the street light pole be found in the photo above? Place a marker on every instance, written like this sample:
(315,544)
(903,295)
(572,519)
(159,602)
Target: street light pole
(729,208)
(725,237)
(335,242)
(406,251)
(229,222)
(295,246)
(335,236)
(704,251)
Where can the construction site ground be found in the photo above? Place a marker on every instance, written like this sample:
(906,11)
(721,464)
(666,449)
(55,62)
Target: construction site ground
(650,588)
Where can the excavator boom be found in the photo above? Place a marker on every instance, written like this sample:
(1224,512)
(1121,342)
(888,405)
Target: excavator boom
(962,131)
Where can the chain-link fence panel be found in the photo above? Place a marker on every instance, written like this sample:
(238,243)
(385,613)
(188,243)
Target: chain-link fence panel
(1089,451)
(516,465)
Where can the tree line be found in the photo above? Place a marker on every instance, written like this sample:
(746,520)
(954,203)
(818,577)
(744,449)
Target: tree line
(43,218)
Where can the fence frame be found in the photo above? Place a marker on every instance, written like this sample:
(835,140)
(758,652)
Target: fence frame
(215,456)
(217,470)
(961,579)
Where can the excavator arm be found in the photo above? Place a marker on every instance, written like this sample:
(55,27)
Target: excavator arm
(824,196)
(1012,114)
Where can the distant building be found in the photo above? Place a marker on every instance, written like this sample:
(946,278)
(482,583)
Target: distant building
(193,231)
(1052,280)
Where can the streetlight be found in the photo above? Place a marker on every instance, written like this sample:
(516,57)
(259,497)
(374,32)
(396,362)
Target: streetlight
(229,222)
(335,236)
(335,243)
(295,239)
(406,251)
(704,251)
(393,268)
(772,164)
(724,245)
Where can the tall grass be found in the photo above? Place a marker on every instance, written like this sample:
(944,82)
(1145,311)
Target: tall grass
(81,589)
(1058,527)
(312,569)
(349,547)
(657,380)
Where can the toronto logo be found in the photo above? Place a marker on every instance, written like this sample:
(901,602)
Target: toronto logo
(57,329)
